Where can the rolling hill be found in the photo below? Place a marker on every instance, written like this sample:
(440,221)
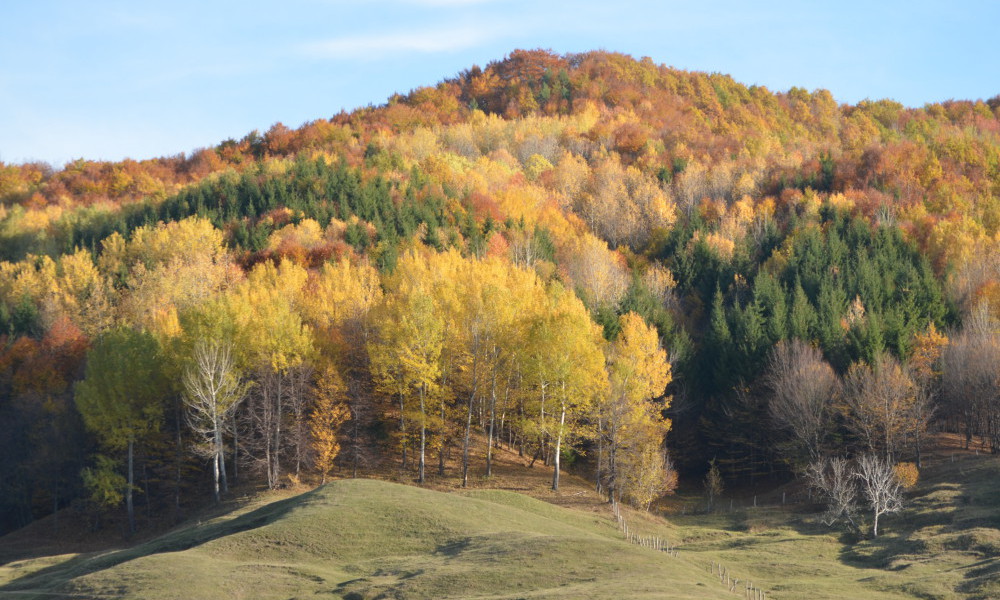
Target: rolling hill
(367,539)
(373,539)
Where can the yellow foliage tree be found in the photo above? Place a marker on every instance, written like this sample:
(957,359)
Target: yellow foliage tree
(567,360)
(406,351)
(632,426)
(330,412)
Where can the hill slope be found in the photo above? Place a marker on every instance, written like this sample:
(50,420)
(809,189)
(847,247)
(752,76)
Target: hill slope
(729,217)
(944,545)
(372,539)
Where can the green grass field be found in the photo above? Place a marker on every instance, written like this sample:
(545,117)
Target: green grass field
(372,539)
(944,545)
(367,539)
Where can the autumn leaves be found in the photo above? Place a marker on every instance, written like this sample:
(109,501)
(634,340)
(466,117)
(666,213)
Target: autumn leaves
(459,341)
(263,371)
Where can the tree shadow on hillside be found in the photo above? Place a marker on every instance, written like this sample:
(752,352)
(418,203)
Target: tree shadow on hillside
(902,534)
(954,514)
(50,579)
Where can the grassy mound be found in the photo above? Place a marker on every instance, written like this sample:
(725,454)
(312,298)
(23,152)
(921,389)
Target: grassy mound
(945,544)
(372,539)
(367,539)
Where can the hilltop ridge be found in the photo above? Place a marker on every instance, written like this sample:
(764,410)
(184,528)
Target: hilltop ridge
(573,210)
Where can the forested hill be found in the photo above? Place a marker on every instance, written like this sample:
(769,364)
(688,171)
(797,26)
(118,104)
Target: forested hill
(501,254)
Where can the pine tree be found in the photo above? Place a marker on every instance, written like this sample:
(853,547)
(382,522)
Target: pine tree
(802,316)
(719,343)
(770,298)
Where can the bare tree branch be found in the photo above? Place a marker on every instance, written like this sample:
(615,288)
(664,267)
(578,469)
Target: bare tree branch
(213,388)
(880,486)
(803,385)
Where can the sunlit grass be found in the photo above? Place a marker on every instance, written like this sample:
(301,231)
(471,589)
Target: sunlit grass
(366,539)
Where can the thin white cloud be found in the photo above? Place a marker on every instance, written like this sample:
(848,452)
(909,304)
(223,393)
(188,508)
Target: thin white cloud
(384,44)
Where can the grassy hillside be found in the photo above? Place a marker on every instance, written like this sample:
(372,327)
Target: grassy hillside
(369,539)
(373,539)
(944,545)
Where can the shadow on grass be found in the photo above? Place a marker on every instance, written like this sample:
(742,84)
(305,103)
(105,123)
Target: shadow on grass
(52,578)
(954,512)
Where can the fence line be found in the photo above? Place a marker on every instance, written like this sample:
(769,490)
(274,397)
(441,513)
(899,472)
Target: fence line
(653,542)
(749,590)
(660,544)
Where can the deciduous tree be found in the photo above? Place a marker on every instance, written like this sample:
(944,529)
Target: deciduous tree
(213,389)
(568,358)
(405,354)
(880,405)
(120,397)
(881,487)
(802,387)
(330,411)
(834,480)
(632,425)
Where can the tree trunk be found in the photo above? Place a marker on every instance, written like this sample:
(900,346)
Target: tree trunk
(298,438)
(468,435)
(178,458)
(520,435)
(443,443)
(503,414)
(215,473)
(276,454)
(236,450)
(468,419)
(423,433)
(128,491)
(355,436)
(271,484)
(558,449)
(264,423)
(543,440)
(222,466)
(613,469)
(493,414)
(600,455)
(402,427)
(267,459)
(888,448)
(220,451)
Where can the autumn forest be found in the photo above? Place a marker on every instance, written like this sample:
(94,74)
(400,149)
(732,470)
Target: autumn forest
(605,265)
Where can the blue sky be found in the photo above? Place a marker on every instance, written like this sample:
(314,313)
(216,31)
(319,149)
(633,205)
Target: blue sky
(109,79)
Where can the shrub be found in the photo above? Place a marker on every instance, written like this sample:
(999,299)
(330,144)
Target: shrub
(907,473)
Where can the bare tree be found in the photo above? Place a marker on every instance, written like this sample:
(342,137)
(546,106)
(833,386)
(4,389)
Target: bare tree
(803,386)
(359,452)
(969,384)
(213,388)
(299,382)
(833,480)
(918,416)
(264,420)
(880,485)
(881,404)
